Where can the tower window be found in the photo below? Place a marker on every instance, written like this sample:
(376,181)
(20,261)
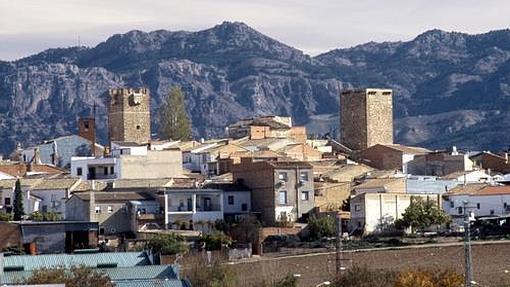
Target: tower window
(138,127)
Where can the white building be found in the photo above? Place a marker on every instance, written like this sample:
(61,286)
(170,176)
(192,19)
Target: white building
(192,206)
(481,199)
(130,161)
(377,212)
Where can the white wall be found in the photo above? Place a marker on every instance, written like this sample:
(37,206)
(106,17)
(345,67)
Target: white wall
(490,205)
(240,198)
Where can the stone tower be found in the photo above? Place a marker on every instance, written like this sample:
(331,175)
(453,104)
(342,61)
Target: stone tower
(366,118)
(129,118)
(87,128)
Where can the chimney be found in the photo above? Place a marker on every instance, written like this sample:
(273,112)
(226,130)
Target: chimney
(506,157)
(87,130)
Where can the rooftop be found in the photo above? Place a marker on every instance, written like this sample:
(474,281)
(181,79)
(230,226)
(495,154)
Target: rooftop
(111,196)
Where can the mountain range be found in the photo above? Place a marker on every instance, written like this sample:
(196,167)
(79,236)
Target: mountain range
(449,88)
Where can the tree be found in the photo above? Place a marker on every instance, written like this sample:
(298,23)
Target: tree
(421,214)
(76,276)
(215,240)
(19,212)
(320,227)
(168,244)
(174,121)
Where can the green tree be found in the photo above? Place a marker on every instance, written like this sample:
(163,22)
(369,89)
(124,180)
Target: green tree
(215,240)
(421,214)
(168,244)
(76,276)
(320,227)
(19,212)
(174,121)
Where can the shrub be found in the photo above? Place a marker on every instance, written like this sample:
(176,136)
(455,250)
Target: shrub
(364,277)
(5,216)
(168,244)
(215,240)
(321,227)
(215,274)
(77,276)
(45,216)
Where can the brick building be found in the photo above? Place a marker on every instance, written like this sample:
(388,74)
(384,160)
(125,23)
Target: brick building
(129,117)
(391,156)
(281,190)
(366,118)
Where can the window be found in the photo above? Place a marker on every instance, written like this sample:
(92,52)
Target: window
(7,201)
(98,209)
(244,207)
(452,204)
(138,127)
(110,209)
(492,211)
(283,197)
(282,176)
(230,200)
(105,170)
(459,210)
(305,195)
(112,170)
(357,207)
(505,205)
(53,197)
(79,171)
(86,125)
(478,206)
(303,176)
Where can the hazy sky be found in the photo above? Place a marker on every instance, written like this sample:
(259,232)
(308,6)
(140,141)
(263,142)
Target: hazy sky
(315,26)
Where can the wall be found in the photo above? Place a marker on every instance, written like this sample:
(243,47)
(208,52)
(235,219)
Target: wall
(157,164)
(258,176)
(77,209)
(240,198)
(129,121)
(113,222)
(378,211)
(379,117)
(488,203)
(382,157)
(294,189)
(53,199)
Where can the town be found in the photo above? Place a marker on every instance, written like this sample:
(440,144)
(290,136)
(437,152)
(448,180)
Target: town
(147,211)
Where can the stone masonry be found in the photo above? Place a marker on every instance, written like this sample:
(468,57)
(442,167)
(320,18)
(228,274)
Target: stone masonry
(129,115)
(366,118)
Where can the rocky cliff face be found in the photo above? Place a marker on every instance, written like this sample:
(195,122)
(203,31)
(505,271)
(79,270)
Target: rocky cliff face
(447,85)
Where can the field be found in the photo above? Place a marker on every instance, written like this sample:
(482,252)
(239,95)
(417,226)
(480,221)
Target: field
(490,260)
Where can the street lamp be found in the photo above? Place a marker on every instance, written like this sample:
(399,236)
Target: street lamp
(325,283)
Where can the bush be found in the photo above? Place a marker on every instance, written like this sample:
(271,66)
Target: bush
(215,274)
(215,240)
(168,244)
(45,216)
(5,216)
(321,227)
(289,281)
(364,277)
(77,276)
(421,278)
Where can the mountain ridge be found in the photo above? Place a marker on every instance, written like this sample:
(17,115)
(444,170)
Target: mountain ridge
(232,71)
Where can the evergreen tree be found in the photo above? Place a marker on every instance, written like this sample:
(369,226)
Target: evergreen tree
(174,121)
(18,202)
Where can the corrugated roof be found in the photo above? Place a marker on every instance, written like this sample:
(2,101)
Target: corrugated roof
(33,262)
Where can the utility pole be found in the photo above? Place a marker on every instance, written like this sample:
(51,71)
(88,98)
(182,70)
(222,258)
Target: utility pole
(338,243)
(468,268)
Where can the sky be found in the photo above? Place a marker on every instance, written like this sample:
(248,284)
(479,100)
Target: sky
(314,26)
